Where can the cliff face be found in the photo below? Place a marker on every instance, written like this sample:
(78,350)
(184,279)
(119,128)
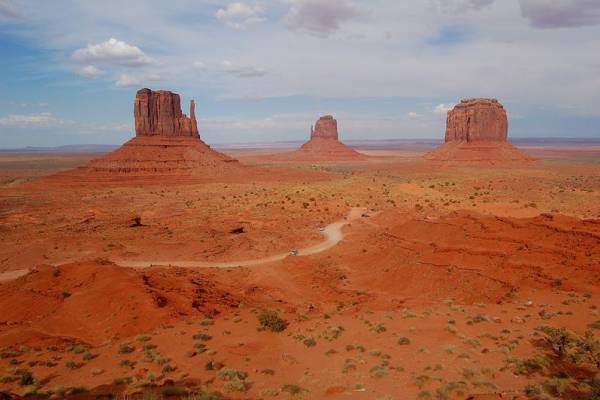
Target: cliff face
(325,128)
(158,113)
(477,120)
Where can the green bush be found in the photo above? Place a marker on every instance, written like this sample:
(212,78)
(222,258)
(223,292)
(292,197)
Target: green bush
(271,320)
(292,389)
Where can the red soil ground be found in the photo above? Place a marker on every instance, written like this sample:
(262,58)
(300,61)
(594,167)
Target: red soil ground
(436,291)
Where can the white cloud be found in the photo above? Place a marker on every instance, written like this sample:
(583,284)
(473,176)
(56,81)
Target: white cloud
(127,81)
(112,51)
(7,9)
(561,13)
(242,71)
(320,17)
(89,71)
(443,108)
(39,119)
(413,115)
(238,15)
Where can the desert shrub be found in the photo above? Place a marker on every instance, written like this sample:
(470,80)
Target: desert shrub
(127,363)
(267,371)
(227,374)
(26,379)
(79,349)
(236,385)
(403,341)
(270,320)
(8,378)
(309,342)
(143,338)
(172,390)
(125,380)
(557,386)
(588,349)
(168,369)
(87,356)
(530,365)
(202,336)
(424,394)
(559,339)
(125,348)
(378,371)
(292,389)
(594,325)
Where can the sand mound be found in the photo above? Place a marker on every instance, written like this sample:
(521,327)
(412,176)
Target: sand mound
(95,301)
(489,152)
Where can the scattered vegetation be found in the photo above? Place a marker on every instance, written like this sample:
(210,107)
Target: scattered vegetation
(270,320)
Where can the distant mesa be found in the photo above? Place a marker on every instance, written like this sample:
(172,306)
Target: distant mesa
(167,143)
(477,131)
(323,145)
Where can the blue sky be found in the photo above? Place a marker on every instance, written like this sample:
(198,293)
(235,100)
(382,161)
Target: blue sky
(263,71)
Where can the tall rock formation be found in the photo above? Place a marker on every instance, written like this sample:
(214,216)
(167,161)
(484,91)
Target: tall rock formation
(166,144)
(477,120)
(159,113)
(325,128)
(324,144)
(477,131)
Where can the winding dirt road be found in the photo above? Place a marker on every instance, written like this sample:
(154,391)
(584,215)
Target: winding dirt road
(333,235)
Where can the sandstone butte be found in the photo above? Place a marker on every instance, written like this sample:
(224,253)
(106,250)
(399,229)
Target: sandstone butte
(323,145)
(477,131)
(166,143)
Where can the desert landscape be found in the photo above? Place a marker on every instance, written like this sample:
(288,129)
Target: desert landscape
(300,199)
(166,268)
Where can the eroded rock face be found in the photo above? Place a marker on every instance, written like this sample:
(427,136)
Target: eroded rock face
(325,128)
(477,120)
(158,113)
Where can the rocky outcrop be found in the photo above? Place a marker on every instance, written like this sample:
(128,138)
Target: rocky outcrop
(477,120)
(325,128)
(166,145)
(322,146)
(477,132)
(158,113)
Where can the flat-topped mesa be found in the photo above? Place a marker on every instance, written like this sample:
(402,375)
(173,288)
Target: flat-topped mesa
(475,120)
(325,128)
(158,113)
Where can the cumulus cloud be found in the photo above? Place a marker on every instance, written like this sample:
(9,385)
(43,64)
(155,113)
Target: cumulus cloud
(443,108)
(112,51)
(320,17)
(127,81)
(7,9)
(89,71)
(242,71)
(39,119)
(561,13)
(238,15)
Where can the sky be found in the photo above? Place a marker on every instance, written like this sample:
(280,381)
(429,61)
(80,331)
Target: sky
(264,71)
